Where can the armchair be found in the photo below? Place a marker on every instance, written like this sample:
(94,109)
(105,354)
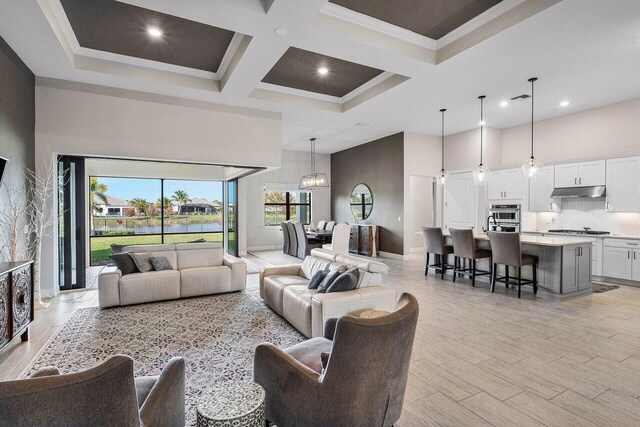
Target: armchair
(105,395)
(363,383)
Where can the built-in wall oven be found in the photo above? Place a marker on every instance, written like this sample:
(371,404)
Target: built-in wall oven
(504,218)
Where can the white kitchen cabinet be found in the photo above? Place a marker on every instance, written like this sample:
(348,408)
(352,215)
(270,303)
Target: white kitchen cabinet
(623,184)
(617,263)
(505,185)
(540,190)
(566,175)
(581,174)
(635,266)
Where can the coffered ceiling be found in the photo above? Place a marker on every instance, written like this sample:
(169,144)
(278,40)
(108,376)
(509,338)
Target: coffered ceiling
(313,72)
(116,27)
(384,73)
(431,18)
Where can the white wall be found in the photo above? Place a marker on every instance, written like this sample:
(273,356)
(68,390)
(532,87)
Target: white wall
(422,161)
(253,233)
(94,121)
(609,131)
(462,150)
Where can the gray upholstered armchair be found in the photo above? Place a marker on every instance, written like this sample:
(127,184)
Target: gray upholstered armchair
(365,377)
(106,395)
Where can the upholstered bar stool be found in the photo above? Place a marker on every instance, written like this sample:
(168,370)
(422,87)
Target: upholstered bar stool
(507,251)
(434,244)
(464,246)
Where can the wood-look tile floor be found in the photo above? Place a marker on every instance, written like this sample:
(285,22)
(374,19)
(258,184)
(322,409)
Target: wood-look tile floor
(480,358)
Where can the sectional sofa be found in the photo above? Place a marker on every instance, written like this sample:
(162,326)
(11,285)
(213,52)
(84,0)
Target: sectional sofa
(285,290)
(197,269)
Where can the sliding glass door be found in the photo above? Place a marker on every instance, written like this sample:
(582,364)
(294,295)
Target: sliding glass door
(71,222)
(231,229)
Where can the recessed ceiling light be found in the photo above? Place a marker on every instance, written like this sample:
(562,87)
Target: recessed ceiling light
(482,123)
(564,103)
(323,71)
(504,103)
(280,31)
(154,32)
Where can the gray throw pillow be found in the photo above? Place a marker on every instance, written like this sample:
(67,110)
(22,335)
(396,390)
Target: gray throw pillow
(142,261)
(117,249)
(160,263)
(317,278)
(124,263)
(347,281)
(329,278)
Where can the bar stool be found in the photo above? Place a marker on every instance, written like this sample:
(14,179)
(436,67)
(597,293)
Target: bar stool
(507,251)
(464,246)
(434,244)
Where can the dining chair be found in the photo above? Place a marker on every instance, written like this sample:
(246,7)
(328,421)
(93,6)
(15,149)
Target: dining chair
(285,237)
(304,243)
(330,225)
(322,224)
(293,239)
(340,239)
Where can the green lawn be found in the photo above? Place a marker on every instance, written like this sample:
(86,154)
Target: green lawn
(101,246)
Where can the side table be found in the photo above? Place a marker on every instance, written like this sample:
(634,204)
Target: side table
(231,404)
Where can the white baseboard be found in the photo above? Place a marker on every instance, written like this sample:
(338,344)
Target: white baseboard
(263,248)
(390,255)
(419,249)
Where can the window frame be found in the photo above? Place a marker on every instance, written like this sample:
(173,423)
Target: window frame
(363,205)
(287,206)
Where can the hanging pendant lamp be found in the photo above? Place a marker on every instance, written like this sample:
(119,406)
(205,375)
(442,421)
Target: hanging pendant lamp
(481,172)
(531,166)
(442,175)
(313,180)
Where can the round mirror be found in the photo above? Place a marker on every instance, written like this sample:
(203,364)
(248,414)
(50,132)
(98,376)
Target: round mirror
(361,201)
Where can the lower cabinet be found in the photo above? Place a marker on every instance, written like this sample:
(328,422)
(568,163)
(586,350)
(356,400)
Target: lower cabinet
(621,259)
(364,239)
(576,272)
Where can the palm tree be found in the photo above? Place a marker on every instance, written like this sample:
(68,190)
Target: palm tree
(139,204)
(168,204)
(181,197)
(97,191)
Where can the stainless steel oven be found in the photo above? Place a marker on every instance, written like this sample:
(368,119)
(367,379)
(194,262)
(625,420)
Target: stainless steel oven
(505,218)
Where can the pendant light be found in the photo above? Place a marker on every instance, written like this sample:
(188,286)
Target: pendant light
(313,180)
(481,172)
(443,175)
(531,166)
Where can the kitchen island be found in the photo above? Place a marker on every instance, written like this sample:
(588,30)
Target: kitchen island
(564,264)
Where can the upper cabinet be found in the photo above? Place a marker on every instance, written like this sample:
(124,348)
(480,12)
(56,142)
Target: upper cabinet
(540,192)
(582,174)
(505,185)
(623,184)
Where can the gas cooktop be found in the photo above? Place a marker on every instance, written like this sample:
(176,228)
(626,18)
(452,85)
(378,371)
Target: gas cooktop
(583,231)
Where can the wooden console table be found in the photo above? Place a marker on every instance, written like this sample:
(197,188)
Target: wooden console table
(364,239)
(16,300)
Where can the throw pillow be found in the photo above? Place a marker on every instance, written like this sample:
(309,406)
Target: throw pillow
(317,278)
(347,281)
(116,249)
(160,263)
(124,263)
(329,278)
(142,261)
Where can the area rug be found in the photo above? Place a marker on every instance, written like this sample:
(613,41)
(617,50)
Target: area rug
(599,288)
(216,335)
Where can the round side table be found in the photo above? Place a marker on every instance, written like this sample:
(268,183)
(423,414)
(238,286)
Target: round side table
(370,314)
(231,404)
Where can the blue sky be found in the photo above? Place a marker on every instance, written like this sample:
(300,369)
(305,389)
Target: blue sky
(149,189)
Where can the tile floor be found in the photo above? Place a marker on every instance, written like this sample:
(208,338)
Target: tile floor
(479,358)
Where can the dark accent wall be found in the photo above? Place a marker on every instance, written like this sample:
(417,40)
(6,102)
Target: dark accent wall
(17,117)
(380,165)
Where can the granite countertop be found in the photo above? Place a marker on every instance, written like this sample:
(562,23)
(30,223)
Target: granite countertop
(539,240)
(597,236)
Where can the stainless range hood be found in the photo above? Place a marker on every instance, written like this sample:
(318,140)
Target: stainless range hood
(592,191)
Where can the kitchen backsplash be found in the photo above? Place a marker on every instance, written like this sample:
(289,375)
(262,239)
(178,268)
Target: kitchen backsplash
(583,212)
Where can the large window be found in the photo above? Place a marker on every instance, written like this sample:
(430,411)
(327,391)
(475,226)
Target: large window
(135,211)
(282,206)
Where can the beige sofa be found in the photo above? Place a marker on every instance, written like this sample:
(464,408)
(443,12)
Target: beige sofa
(285,290)
(198,269)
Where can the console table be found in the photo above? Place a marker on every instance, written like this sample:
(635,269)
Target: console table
(16,300)
(364,239)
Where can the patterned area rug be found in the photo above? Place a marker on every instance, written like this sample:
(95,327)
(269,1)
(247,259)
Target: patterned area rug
(599,288)
(216,335)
